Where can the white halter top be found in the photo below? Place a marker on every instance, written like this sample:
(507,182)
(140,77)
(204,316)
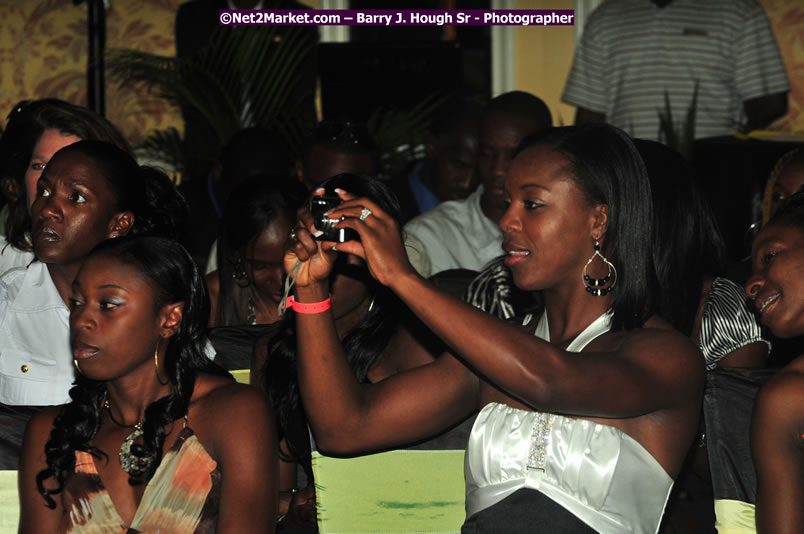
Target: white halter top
(597,472)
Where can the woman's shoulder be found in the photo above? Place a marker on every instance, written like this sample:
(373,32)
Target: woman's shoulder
(220,388)
(213,282)
(657,329)
(786,388)
(222,409)
(779,407)
(37,430)
(219,397)
(657,339)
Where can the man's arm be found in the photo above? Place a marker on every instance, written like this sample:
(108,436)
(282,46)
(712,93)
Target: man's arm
(587,116)
(763,110)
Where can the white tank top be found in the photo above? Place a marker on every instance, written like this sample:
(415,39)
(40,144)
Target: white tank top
(597,472)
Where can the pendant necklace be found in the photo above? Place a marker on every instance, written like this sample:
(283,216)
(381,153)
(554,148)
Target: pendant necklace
(134,465)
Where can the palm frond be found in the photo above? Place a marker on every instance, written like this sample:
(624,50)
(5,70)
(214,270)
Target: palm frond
(679,138)
(401,134)
(240,79)
(163,148)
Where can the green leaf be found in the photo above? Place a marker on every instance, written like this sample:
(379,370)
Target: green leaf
(248,69)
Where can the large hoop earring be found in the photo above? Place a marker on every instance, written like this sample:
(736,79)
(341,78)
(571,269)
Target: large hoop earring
(156,365)
(76,367)
(600,286)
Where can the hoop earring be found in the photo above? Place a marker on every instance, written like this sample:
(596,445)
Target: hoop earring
(156,365)
(595,286)
(77,368)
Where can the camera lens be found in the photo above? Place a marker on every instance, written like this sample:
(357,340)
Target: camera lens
(319,205)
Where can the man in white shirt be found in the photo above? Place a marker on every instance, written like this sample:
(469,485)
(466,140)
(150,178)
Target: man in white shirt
(463,234)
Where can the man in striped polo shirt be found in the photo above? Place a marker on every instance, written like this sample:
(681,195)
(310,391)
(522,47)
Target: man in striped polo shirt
(633,52)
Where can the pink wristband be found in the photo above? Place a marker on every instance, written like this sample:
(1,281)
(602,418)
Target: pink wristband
(303,307)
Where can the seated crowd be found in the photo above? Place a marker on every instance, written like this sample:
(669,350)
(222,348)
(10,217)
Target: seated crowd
(552,300)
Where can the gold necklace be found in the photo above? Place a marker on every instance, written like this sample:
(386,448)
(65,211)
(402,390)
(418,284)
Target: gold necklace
(134,465)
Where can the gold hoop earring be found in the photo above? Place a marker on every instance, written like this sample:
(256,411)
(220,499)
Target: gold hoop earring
(600,286)
(156,365)
(76,367)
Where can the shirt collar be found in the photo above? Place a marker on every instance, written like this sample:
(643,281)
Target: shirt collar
(38,292)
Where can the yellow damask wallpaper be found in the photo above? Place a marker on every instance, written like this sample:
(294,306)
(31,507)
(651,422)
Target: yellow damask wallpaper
(43,50)
(787,19)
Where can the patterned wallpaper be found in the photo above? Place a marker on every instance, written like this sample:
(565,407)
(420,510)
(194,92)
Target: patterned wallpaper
(43,46)
(787,19)
(43,50)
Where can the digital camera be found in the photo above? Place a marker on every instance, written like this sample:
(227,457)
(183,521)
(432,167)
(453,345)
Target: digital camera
(319,205)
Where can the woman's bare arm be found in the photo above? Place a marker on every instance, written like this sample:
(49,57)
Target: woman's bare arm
(35,516)
(777,443)
(754,355)
(247,453)
(348,417)
(213,290)
(650,369)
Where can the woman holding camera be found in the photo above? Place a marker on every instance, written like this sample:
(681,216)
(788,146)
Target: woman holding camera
(378,337)
(586,413)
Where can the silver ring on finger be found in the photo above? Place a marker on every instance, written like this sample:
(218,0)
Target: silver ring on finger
(364,214)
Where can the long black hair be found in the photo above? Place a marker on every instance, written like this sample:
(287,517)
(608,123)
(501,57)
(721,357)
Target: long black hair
(30,121)
(255,204)
(174,277)
(362,345)
(609,170)
(688,247)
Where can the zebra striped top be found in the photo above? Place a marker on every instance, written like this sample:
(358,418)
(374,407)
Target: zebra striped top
(632,52)
(494,292)
(727,323)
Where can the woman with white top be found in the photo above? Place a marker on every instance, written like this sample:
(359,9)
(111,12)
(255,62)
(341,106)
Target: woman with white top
(586,412)
(37,130)
(89,191)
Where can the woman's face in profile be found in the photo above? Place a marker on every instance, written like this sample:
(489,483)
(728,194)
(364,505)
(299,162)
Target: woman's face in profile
(777,285)
(73,209)
(114,320)
(547,227)
(50,142)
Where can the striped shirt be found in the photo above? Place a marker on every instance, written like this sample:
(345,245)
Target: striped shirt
(727,323)
(632,53)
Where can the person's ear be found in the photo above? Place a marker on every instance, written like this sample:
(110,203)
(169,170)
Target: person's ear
(600,220)
(170,319)
(121,224)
